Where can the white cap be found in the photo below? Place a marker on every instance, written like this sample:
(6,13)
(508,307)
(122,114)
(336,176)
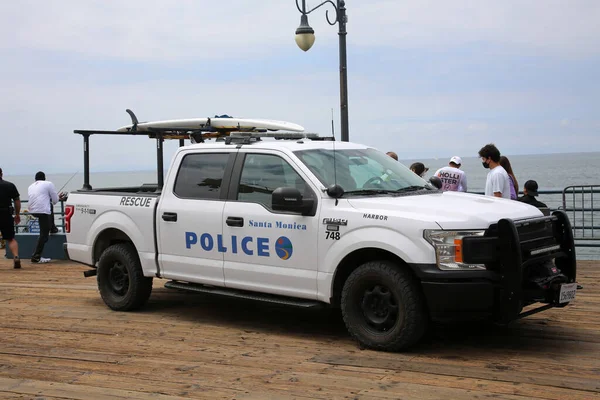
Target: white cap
(456,160)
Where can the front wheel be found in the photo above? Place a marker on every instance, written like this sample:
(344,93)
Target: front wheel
(122,285)
(383,307)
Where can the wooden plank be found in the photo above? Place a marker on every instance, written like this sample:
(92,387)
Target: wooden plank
(490,372)
(441,382)
(72,391)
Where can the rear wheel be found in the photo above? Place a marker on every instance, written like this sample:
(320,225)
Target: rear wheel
(121,282)
(383,307)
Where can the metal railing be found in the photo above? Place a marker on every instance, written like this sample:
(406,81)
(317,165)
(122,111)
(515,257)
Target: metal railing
(27,219)
(583,209)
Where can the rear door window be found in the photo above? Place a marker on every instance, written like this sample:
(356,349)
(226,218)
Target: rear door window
(200,176)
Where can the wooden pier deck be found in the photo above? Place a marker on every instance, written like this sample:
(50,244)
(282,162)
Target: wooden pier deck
(59,341)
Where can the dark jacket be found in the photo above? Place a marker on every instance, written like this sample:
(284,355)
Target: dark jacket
(532,201)
(8,193)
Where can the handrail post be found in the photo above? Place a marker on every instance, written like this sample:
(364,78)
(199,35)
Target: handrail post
(592,207)
(583,210)
(62,212)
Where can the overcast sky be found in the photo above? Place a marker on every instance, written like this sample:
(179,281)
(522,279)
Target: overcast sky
(426,78)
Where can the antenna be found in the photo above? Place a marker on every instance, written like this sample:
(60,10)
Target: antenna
(332,133)
(334,168)
(335,190)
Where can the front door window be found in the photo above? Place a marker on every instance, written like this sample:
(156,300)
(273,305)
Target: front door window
(262,174)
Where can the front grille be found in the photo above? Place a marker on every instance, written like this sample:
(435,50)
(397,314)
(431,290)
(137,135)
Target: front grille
(538,238)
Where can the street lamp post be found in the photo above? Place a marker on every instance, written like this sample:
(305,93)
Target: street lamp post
(305,38)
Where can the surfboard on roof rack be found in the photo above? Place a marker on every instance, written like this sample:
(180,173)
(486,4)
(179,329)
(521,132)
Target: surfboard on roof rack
(194,129)
(217,124)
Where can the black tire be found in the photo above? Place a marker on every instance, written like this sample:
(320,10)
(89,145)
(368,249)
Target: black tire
(383,307)
(122,285)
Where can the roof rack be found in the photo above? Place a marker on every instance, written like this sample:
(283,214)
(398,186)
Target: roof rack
(276,135)
(159,135)
(251,137)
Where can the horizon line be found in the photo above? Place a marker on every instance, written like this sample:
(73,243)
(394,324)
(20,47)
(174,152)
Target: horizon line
(150,169)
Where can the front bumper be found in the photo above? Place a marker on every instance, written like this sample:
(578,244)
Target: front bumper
(511,250)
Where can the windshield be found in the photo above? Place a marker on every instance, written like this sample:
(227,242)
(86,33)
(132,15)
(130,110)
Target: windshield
(360,170)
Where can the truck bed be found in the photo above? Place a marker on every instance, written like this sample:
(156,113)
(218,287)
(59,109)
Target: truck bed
(96,212)
(147,189)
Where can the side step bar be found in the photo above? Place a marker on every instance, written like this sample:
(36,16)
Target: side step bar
(269,298)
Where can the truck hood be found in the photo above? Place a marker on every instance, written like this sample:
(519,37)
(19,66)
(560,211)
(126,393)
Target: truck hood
(450,210)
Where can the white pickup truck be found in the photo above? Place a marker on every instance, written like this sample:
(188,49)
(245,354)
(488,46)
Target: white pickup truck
(305,221)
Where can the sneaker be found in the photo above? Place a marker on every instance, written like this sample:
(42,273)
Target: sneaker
(17,263)
(41,260)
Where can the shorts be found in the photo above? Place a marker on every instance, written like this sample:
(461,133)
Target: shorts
(7,226)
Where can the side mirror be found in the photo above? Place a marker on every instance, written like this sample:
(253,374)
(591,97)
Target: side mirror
(435,181)
(290,199)
(335,191)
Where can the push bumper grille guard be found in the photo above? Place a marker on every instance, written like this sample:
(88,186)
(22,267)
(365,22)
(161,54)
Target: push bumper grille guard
(509,247)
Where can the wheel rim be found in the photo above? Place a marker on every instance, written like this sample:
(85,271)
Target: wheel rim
(380,308)
(118,278)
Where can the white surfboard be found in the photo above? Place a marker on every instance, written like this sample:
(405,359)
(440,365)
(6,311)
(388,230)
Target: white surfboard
(218,123)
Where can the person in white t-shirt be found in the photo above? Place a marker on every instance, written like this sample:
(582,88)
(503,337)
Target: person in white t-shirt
(42,196)
(497,183)
(452,177)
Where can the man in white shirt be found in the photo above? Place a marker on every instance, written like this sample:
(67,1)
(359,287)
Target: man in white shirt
(497,183)
(42,197)
(452,177)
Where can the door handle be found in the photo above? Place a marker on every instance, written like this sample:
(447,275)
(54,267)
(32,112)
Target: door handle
(235,221)
(169,216)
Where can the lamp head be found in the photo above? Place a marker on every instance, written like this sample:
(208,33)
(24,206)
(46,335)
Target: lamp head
(305,35)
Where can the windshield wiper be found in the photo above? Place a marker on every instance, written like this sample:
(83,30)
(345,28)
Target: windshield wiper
(410,189)
(370,191)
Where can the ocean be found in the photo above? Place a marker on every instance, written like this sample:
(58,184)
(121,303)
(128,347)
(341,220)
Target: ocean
(551,171)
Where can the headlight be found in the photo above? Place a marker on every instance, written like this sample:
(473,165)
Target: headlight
(448,249)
